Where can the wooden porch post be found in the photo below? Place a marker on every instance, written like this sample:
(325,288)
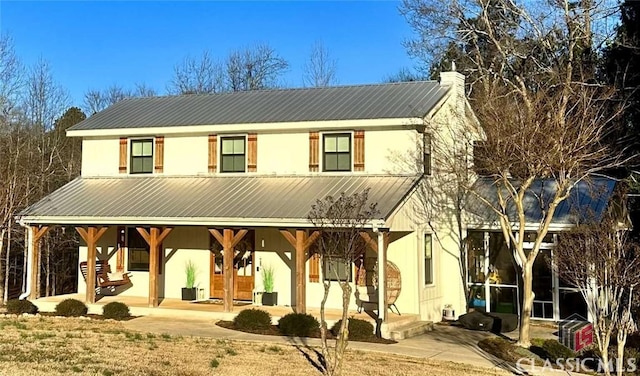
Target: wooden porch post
(154,238)
(301,242)
(91,235)
(228,240)
(37,232)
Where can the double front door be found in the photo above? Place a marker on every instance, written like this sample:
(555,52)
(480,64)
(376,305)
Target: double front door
(243,269)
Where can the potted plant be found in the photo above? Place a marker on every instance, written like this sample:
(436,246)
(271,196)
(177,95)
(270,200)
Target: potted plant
(190,292)
(269,298)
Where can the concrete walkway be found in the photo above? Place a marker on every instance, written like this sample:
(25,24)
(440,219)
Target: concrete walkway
(444,343)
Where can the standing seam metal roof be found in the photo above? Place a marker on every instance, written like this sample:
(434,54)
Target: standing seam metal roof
(587,201)
(382,101)
(239,197)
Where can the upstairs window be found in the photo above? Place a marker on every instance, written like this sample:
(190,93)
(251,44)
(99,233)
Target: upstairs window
(337,152)
(141,156)
(233,156)
(426,153)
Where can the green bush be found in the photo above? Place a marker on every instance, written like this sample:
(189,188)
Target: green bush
(358,329)
(18,307)
(298,324)
(555,350)
(71,308)
(252,319)
(115,310)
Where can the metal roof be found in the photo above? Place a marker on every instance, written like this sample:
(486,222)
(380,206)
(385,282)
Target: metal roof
(587,201)
(382,101)
(206,200)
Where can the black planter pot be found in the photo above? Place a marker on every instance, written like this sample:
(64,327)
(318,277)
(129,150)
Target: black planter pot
(189,294)
(270,298)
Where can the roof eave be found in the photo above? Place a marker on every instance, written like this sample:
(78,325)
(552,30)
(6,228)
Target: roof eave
(180,221)
(242,127)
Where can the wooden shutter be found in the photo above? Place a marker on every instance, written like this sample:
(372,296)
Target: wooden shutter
(314,268)
(358,151)
(159,155)
(252,152)
(314,151)
(121,242)
(213,153)
(122,168)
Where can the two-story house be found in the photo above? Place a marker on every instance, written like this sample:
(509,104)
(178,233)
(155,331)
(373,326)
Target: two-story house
(226,181)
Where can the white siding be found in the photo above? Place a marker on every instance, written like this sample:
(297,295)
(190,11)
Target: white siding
(283,153)
(186,155)
(100,157)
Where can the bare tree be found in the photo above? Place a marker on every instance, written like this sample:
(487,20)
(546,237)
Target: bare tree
(97,100)
(542,117)
(254,68)
(11,76)
(320,68)
(340,221)
(198,75)
(45,99)
(604,266)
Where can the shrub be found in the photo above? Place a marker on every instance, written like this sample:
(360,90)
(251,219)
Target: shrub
(18,307)
(252,319)
(71,308)
(555,350)
(298,324)
(358,329)
(115,310)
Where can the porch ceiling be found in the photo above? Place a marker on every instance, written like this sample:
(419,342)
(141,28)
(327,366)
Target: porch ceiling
(221,200)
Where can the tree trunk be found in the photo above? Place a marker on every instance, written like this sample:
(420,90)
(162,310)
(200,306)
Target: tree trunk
(622,341)
(7,262)
(527,304)
(326,357)
(343,337)
(3,285)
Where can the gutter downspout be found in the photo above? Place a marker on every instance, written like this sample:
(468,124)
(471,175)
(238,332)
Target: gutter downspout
(27,290)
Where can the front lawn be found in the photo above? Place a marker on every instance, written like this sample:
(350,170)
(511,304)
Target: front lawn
(65,346)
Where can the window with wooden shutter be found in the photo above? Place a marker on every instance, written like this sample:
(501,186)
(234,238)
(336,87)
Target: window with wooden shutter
(159,157)
(122,167)
(314,268)
(252,149)
(314,151)
(358,150)
(213,153)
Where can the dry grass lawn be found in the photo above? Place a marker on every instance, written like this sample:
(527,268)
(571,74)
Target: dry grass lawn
(59,346)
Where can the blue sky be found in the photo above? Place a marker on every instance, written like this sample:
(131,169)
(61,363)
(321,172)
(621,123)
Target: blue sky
(97,44)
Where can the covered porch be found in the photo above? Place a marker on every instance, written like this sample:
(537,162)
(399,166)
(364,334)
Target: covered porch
(274,208)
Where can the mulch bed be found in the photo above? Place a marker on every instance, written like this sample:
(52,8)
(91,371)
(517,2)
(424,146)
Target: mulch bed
(274,331)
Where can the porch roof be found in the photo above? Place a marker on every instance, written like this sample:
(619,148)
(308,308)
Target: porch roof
(588,201)
(221,200)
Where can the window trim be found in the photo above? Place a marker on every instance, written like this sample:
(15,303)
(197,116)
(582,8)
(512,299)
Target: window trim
(221,139)
(130,142)
(424,260)
(323,135)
